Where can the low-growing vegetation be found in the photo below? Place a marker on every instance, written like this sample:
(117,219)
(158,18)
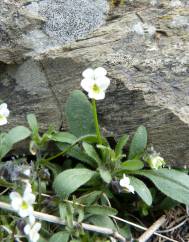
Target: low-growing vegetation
(79,185)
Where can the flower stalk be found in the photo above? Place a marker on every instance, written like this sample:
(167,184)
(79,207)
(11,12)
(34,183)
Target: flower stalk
(96,122)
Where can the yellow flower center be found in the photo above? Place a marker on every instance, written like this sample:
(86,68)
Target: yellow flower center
(1,117)
(24,205)
(96,88)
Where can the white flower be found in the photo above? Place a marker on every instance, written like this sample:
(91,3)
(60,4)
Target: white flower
(176,3)
(23,204)
(153,158)
(32,231)
(31,219)
(4,113)
(125,182)
(155,161)
(95,82)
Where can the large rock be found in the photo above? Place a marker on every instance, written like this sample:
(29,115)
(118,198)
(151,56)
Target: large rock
(31,27)
(149,78)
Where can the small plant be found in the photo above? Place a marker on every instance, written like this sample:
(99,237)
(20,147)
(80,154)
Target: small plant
(86,182)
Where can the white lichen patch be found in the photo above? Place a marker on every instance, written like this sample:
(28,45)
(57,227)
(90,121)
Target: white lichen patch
(180,21)
(69,20)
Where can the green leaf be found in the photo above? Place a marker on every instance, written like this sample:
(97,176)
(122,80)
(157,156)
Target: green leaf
(79,114)
(41,239)
(91,152)
(132,165)
(172,183)
(105,175)
(18,134)
(5,145)
(142,190)
(62,236)
(70,180)
(81,214)
(120,145)
(32,121)
(167,204)
(101,210)
(62,210)
(7,140)
(4,183)
(64,137)
(138,143)
(102,221)
(89,198)
(77,153)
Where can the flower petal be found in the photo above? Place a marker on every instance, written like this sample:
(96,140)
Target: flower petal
(30,198)
(4,110)
(16,203)
(14,195)
(36,227)
(103,82)
(87,84)
(35,237)
(27,229)
(100,72)
(97,96)
(28,188)
(88,73)
(31,219)
(23,213)
(125,181)
(3,120)
(131,189)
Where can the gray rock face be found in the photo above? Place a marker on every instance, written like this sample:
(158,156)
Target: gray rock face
(149,79)
(69,20)
(30,27)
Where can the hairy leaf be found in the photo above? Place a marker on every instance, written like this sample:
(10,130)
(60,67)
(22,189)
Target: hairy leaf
(120,145)
(142,190)
(89,198)
(18,134)
(101,210)
(15,135)
(64,137)
(79,114)
(62,236)
(70,180)
(102,221)
(172,183)
(78,154)
(91,152)
(138,143)
(32,121)
(105,175)
(132,165)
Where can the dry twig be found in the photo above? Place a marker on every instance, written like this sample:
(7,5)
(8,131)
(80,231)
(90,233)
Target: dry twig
(150,231)
(57,220)
(143,228)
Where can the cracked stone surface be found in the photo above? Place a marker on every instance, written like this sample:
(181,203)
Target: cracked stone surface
(149,79)
(28,28)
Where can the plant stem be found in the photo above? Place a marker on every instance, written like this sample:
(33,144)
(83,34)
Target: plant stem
(66,149)
(57,220)
(89,227)
(96,122)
